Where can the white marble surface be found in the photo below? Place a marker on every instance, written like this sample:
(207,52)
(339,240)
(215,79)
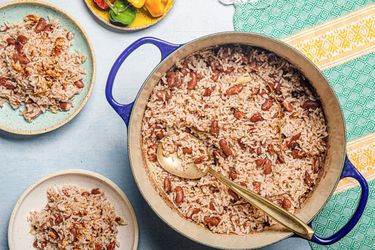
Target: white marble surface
(96,139)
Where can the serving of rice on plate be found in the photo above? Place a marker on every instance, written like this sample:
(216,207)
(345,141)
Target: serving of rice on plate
(76,218)
(248,114)
(38,72)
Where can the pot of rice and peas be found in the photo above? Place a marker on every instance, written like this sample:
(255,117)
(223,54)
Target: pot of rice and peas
(253,109)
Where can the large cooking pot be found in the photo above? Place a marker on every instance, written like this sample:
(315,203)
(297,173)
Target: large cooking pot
(337,165)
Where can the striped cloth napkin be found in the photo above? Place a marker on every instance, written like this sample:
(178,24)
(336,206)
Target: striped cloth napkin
(339,37)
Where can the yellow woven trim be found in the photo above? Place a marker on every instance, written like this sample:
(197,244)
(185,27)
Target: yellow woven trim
(362,154)
(339,40)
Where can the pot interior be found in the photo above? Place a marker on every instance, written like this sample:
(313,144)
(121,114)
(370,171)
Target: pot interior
(332,167)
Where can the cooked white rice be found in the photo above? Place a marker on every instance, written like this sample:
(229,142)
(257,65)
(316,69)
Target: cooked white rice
(37,70)
(75,218)
(258,123)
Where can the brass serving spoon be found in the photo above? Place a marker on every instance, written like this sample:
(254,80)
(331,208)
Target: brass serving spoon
(173,164)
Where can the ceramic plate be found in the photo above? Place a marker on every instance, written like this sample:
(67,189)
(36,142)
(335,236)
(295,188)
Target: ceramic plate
(35,198)
(11,120)
(143,18)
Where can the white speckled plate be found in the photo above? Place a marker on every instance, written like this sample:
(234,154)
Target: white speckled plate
(35,199)
(11,120)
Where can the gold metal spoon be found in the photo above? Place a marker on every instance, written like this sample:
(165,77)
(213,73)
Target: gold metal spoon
(173,165)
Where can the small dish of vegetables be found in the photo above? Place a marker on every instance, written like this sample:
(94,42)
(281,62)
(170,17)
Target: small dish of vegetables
(131,14)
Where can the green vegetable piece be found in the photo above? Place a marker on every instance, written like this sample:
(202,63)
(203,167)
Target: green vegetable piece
(120,12)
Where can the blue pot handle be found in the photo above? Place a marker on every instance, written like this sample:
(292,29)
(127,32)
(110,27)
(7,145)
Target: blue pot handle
(349,171)
(124,110)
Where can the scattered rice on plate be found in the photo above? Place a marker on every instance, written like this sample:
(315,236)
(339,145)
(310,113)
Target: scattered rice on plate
(37,69)
(253,117)
(75,218)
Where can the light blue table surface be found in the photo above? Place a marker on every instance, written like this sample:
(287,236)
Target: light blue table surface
(96,139)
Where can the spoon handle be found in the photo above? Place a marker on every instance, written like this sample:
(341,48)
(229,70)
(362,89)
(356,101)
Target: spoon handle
(282,216)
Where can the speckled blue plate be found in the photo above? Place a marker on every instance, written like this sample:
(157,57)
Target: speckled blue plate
(11,120)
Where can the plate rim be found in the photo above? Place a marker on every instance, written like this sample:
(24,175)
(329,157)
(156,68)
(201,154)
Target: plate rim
(125,29)
(93,78)
(86,173)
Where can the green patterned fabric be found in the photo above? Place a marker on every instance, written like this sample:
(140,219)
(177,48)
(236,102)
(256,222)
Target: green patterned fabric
(354,84)
(338,211)
(285,17)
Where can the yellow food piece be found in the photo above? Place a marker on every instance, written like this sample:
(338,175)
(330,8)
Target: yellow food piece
(137,3)
(156,7)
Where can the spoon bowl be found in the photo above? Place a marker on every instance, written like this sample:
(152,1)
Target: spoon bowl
(173,164)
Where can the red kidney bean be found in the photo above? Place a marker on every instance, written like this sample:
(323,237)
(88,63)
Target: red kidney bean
(212,221)
(224,146)
(85,193)
(187,150)
(193,81)
(293,140)
(153,157)
(215,75)
(200,159)
(167,185)
(298,154)
(217,154)
(308,180)
(111,246)
(316,165)
(58,219)
(11,41)
(229,70)
(211,206)
(95,191)
(233,174)
(286,204)
(280,158)
(64,106)
(270,149)
(234,90)
(6,84)
(309,104)
(207,92)
(19,47)
(195,211)
(241,144)
(267,166)
(163,94)
(159,135)
(41,25)
(267,104)
(79,84)
(23,60)
(271,86)
(98,246)
(22,39)
(238,114)
(256,186)
(287,106)
(256,118)
(179,195)
(214,130)
(259,162)
(171,79)
(254,65)
(234,195)
(48,28)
